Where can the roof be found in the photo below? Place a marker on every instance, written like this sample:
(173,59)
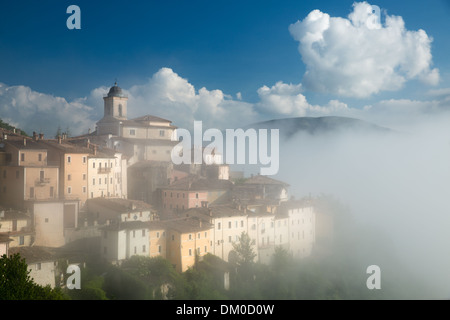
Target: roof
(34,254)
(149,142)
(193,183)
(120,204)
(23,143)
(187,225)
(149,117)
(216,212)
(116,91)
(65,146)
(264,180)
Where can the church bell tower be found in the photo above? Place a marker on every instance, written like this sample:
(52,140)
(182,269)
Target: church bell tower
(115,103)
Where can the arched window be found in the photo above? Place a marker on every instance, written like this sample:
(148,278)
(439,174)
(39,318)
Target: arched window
(120,110)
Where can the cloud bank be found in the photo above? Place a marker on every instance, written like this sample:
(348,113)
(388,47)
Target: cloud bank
(360,56)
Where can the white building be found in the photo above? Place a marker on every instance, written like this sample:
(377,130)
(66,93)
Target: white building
(228,226)
(121,241)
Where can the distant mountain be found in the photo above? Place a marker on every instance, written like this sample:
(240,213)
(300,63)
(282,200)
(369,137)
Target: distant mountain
(291,126)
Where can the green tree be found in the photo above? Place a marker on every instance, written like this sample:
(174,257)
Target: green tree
(16,283)
(245,254)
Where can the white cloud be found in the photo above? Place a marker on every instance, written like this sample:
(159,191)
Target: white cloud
(287,100)
(34,111)
(170,96)
(359,57)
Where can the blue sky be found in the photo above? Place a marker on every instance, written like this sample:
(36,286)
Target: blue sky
(230,46)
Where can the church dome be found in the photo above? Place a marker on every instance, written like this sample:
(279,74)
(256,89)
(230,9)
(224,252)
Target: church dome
(115,91)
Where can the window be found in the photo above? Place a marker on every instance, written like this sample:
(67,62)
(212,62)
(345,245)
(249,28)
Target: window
(229,224)
(218,226)
(134,233)
(69,177)
(190,252)
(69,159)
(198,236)
(110,180)
(106,180)
(173,237)
(161,133)
(51,192)
(21,240)
(31,192)
(84,159)
(69,190)
(84,176)
(41,175)
(84,189)
(196,195)
(242,223)
(93,181)
(143,232)
(38,266)
(46,220)
(93,165)
(159,249)
(22,157)
(99,180)
(132,132)
(190,236)
(206,234)
(39,157)
(157,235)
(143,248)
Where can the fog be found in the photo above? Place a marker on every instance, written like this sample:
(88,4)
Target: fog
(396,184)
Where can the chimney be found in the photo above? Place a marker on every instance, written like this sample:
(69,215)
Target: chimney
(24,142)
(200,223)
(95,150)
(88,143)
(59,139)
(35,136)
(41,136)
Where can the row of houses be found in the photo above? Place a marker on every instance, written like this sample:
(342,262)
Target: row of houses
(116,192)
(183,238)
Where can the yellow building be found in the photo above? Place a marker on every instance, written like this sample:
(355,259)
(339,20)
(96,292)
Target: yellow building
(158,239)
(187,240)
(25,173)
(73,163)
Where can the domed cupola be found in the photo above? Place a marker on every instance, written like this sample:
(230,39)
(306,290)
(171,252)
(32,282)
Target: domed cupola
(115,91)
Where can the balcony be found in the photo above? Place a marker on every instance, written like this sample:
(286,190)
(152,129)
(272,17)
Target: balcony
(42,181)
(104,170)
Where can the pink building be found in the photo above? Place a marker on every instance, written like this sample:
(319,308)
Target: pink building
(193,192)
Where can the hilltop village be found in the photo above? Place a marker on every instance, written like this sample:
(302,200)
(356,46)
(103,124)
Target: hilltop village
(114,193)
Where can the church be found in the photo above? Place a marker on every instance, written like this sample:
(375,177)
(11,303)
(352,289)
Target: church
(140,139)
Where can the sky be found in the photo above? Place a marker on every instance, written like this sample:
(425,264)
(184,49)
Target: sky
(227,63)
